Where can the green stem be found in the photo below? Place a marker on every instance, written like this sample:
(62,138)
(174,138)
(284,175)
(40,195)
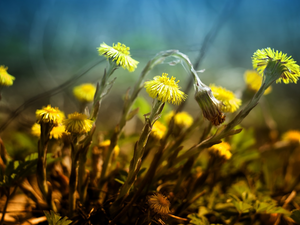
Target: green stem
(139,149)
(42,160)
(73,182)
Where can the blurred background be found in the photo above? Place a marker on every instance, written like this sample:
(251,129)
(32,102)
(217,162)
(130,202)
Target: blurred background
(46,43)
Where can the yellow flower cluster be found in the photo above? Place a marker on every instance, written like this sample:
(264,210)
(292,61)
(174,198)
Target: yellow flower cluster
(222,149)
(84,92)
(78,123)
(230,102)
(119,53)
(254,80)
(158,130)
(262,57)
(181,119)
(5,78)
(165,89)
(56,132)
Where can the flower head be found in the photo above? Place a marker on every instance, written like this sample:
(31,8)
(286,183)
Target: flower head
(288,69)
(56,132)
(254,81)
(222,149)
(211,107)
(5,78)
(78,123)
(165,89)
(159,204)
(181,119)
(292,136)
(158,130)
(84,92)
(49,115)
(119,53)
(230,102)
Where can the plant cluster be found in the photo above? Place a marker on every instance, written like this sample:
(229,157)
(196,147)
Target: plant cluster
(180,170)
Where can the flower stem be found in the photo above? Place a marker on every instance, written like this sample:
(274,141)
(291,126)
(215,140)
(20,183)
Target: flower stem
(42,161)
(139,149)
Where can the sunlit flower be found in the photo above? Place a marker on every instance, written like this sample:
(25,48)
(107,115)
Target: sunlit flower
(78,123)
(181,119)
(165,89)
(230,102)
(106,143)
(5,78)
(159,204)
(211,107)
(119,53)
(222,149)
(84,92)
(49,115)
(287,66)
(158,130)
(292,136)
(254,80)
(55,133)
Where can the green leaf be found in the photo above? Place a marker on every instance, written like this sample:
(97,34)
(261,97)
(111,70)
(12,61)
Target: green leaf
(143,105)
(55,219)
(197,220)
(242,207)
(296,216)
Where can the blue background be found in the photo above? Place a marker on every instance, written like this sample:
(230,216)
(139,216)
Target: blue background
(44,43)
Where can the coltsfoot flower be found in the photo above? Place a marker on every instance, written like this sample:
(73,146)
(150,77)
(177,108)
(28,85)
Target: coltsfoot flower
(120,54)
(165,90)
(254,81)
(158,130)
(221,149)
(292,136)
(211,107)
(78,123)
(84,92)
(181,119)
(159,204)
(49,115)
(56,132)
(230,102)
(5,78)
(288,69)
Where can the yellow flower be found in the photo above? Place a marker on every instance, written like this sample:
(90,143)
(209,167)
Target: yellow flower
(253,81)
(5,78)
(165,89)
(119,53)
(289,69)
(84,92)
(292,136)
(49,115)
(78,123)
(106,143)
(159,204)
(158,130)
(181,119)
(55,133)
(230,102)
(222,149)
